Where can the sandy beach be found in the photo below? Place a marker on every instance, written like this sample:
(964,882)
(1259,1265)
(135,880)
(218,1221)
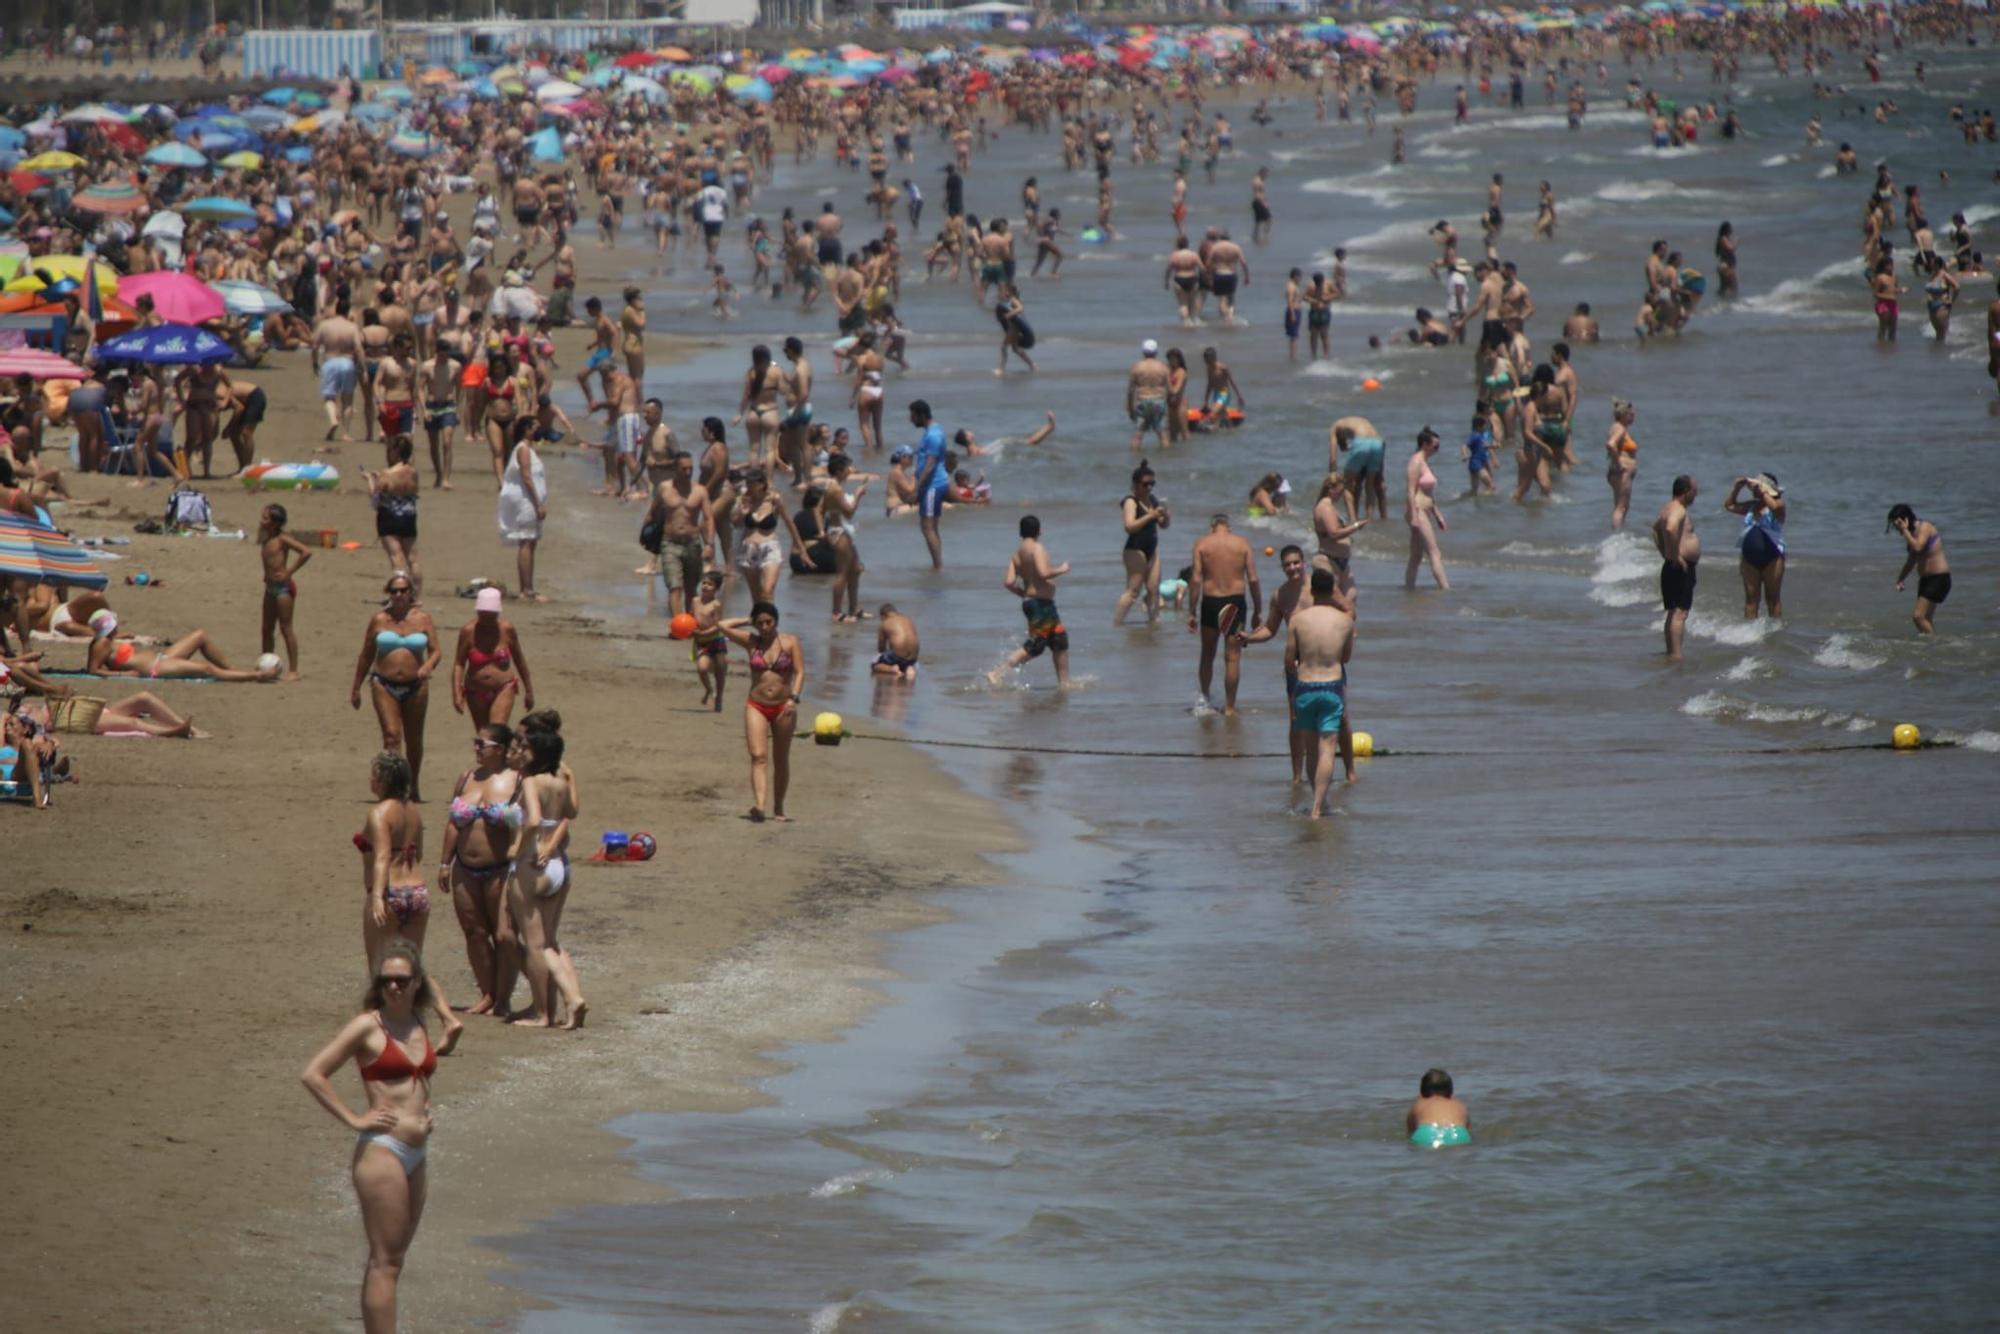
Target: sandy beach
(182,931)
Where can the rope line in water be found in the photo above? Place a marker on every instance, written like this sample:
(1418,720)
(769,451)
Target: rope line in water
(1379,753)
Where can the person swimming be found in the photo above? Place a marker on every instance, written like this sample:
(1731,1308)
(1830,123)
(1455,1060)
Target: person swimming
(1437,1120)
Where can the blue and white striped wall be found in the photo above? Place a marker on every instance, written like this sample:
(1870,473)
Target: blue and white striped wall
(309,53)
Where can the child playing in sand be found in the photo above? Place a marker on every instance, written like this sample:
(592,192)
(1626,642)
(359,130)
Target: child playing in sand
(710,650)
(276,547)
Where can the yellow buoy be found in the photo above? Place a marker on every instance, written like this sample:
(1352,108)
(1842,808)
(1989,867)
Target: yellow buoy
(828,729)
(1906,737)
(1364,745)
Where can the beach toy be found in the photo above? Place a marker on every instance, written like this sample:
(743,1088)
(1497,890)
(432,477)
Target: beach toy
(329,537)
(140,580)
(641,848)
(1270,551)
(1364,745)
(828,729)
(291,477)
(268,662)
(616,845)
(350,546)
(681,626)
(1906,737)
(1092,236)
(1370,385)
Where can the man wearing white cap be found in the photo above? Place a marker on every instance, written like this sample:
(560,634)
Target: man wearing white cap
(1146,395)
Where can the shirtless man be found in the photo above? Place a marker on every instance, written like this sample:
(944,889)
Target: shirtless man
(1146,395)
(1223,570)
(1031,578)
(632,328)
(687,534)
(1680,552)
(1317,648)
(1581,326)
(396,389)
(1517,304)
(625,442)
(1226,265)
(1355,451)
(1183,279)
(996,260)
(439,380)
(375,340)
(247,404)
(1260,206)
(336,356)
(1571,389)
(796,384)
(1993,342)
(896,646)
(1285,601)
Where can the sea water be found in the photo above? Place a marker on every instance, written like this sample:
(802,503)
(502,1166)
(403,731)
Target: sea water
(1713,970)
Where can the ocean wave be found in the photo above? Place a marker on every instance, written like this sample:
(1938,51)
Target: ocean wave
(827,1319)
(1731,630)
(1639,192)
(1979,213)
(1988,742)
(1647,150)
(1394,233)
(1530,549)
(1356,187)
(1826,172)
(1334,370)
(1748,669)
(1734,708)
(1621,595)
(1575,257)
(1839,652)
(1624,558)
(1778,159)
(849,1182)
(1798,296)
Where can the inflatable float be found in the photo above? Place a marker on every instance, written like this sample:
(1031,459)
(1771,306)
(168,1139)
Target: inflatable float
(291,477)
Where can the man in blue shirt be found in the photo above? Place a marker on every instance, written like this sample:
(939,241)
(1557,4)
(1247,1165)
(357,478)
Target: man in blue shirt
(933,478)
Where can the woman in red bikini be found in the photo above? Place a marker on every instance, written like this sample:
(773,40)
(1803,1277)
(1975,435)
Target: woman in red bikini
(388,1043)
(396,897)
(490,667)
(771,713)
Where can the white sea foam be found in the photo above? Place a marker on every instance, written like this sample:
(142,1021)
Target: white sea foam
(1530,549)
(1356,187)
(826,1320)
(1732,708)
(1624,558)
(1639,192)
(1826,172)
(1839,652)
(1334,370)
(1778,159)
(1395,233)
(1576,257)
(1986,741)
(1979,213)
(1647,150)
(1748,669)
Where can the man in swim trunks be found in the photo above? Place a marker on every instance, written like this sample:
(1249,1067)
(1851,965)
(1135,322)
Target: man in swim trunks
(1355,452)
(1224,570)
(687,533)
(932,478)
(1285,601)
(1680,552)
(1317,648)
(336,355)
(438,378)
(1183,279)
(1146,395)
(1032,578)
(1226,264)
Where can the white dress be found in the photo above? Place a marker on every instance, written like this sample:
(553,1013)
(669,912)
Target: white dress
(517,513)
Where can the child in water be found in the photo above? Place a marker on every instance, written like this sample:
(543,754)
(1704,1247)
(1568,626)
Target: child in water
(965,491)
(1478,452)
(710,649)
(1436,1120)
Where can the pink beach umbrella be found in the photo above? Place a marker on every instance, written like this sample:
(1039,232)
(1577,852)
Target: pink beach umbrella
(180,299)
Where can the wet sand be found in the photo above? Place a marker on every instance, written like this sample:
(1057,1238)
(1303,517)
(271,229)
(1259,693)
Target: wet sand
(180,933)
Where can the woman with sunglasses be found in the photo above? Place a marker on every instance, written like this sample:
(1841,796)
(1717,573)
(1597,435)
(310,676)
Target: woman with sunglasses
(396,899)
(399,651)
(759,555)
(472,868)
(1144,514)
(771,713)
(393,1053)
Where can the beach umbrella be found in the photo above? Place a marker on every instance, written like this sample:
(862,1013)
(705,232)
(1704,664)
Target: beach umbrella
(309,101)
(638,85)
(242,298)
(37,364)
(280,97)
(92,112)
(264,119)
(156,111)
(177,296)
(751,90)
(546,145)
(174,155)
(219,208)
(636,60)
(243,160)
(396,92)
(46,270)
(558,90)
(674,53)
(165,223)
(40,554)
(110,197)
(53,161)
(11,137)
(166,345)
(412,143)
(437,74)
(372,111)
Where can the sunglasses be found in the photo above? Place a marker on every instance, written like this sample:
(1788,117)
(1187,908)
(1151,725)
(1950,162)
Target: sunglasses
(396,980)
(401,592)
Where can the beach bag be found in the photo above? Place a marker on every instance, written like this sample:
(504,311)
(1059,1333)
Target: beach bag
(653,532)
(187,508)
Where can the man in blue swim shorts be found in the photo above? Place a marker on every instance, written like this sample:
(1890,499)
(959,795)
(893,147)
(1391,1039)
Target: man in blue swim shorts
(1357,455)
(1317,647)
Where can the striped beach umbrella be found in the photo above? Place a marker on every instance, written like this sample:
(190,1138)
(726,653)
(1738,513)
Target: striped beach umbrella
(113,197)
(245,298)
(40,554)
(36,364)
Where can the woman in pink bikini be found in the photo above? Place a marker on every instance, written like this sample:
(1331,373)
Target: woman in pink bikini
(489,669)
(484,817)
(395,1059)
(771,713)
(1420,511)
(396,897)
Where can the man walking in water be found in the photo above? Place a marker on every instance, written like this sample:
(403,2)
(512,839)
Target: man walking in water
(1680,552)
(1317,647)
(1146,396)
(1032,579)
(1284,602)
(1224,569)
(933,479)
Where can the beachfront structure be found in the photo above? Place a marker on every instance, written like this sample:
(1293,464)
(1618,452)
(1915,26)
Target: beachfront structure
(314,53)
(989,14)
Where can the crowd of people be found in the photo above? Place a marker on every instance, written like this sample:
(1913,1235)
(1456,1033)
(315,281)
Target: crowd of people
(415,317)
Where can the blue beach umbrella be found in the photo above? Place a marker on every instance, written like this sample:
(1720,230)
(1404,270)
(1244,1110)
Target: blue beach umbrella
(373,111)
(166,345)
(218,208)
(175,155)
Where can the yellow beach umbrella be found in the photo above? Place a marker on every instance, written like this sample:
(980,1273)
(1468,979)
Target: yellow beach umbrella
(59,267)
(244,160)
(52,161)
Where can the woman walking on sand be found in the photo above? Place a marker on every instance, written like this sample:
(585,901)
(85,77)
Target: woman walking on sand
(488,668)
(396,899)
(524,496)
(475,859)
(393,1054)
(540,884)
(399,651)
(771,713)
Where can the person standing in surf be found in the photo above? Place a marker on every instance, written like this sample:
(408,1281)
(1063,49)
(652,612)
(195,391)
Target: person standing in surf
(1317,647)
(1031,577)
(1223,575)
(1680,553)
